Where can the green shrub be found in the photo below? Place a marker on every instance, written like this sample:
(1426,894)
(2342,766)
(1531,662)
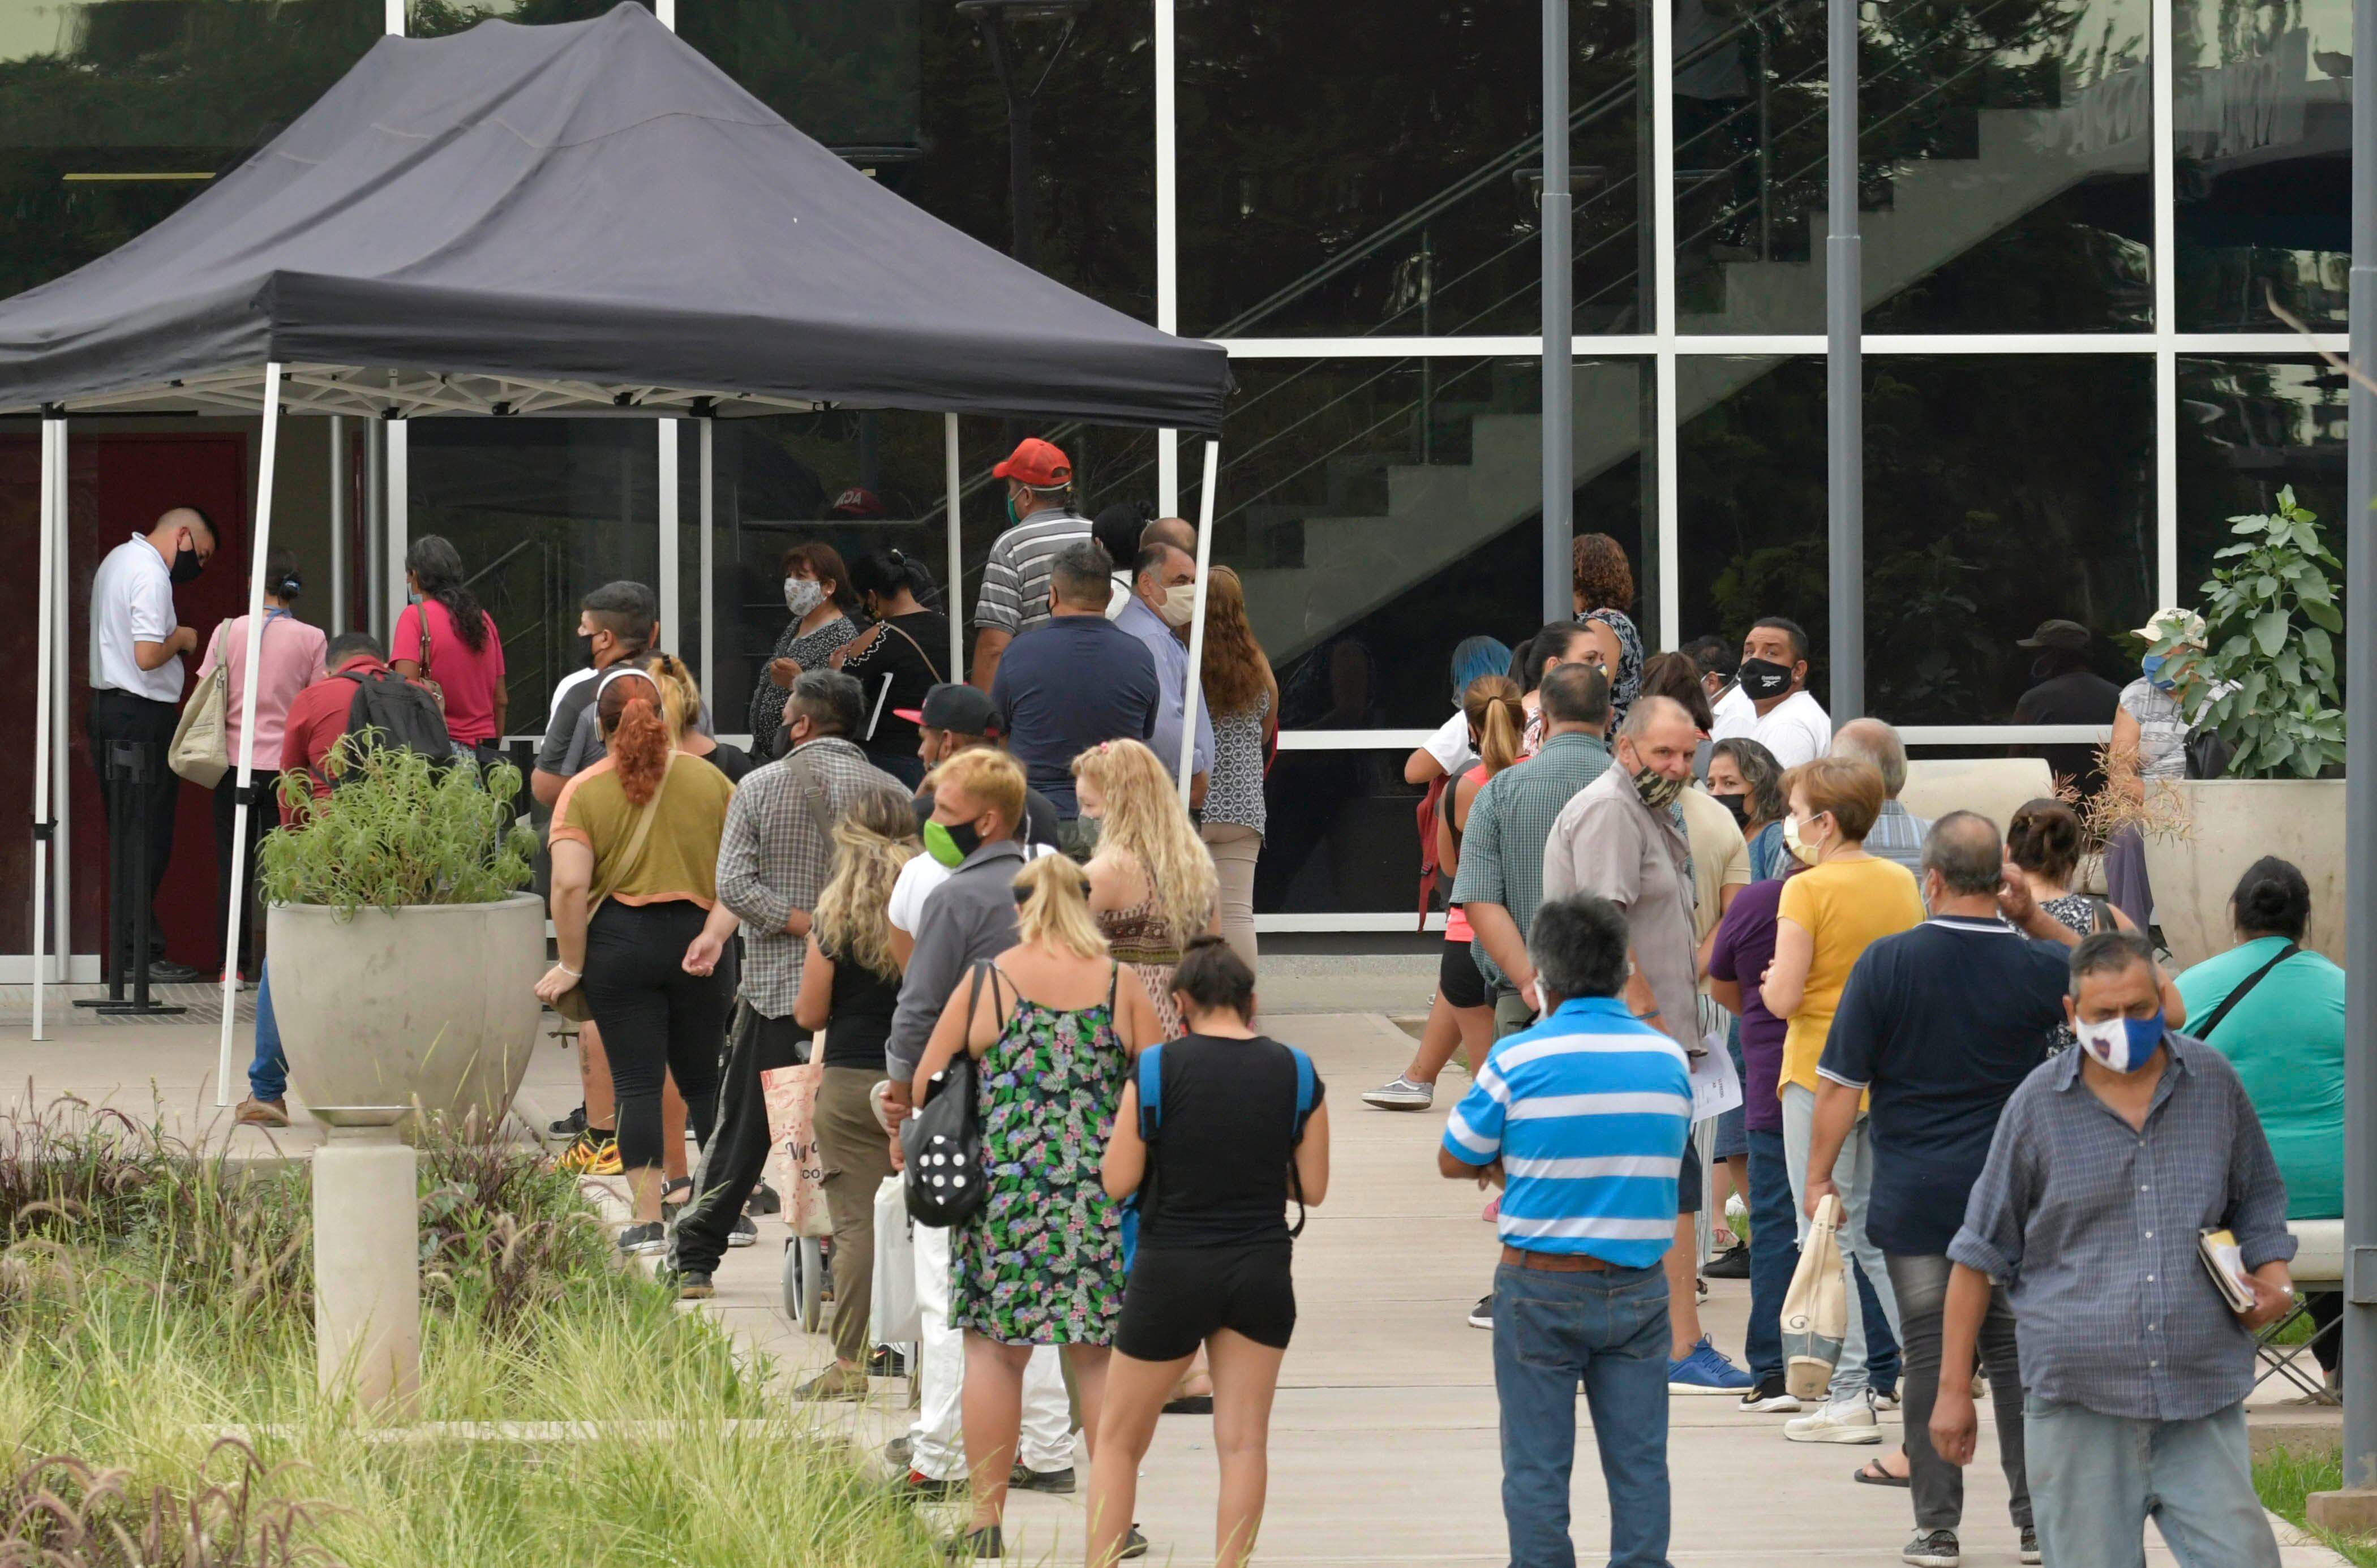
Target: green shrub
(399,829)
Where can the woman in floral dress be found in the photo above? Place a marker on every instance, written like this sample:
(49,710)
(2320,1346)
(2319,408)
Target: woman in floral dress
(1053,1025)
(1152,881)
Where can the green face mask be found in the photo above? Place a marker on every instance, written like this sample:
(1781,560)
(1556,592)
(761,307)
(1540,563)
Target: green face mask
(1012,518)
(949,845)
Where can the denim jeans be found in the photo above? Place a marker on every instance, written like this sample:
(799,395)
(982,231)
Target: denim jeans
(1773,1253)
(267,1076)
(2094,1481)
(1609,1330)
(1920,1282)
(1869,1354)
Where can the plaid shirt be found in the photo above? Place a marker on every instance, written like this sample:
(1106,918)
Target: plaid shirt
(1898,834)
(2091,1226)
(1511,820)
(773,858)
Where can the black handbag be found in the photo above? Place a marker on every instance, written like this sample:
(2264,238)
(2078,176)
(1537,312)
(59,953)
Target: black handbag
(940,1146)
(2207,754)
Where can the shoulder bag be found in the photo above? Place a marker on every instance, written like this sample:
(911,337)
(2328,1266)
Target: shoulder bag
(573,1004)
(940,1146)
(421,610)
(2244,988)
(200,750)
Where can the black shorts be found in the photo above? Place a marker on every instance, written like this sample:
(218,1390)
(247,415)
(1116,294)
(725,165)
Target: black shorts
(1689,1179)
(1457,980)
(1179,1296)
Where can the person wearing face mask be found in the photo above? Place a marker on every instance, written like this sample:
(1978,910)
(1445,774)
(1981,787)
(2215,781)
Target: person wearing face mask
(136,644)
(2067,690)
(2108,1163)
(897,658)
(1744,777)
(1623,838)
(1770,702)
(775,854)
(819,594)
(2149,748)
(956,717)
(1016,574)
(1163,601)
(617,621)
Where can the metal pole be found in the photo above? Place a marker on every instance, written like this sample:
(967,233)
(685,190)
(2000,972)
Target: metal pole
(954,597)
(62,754)
(258,550)
(398,525)
(53,478)
(375,528)
(1167,236)
(1196,618)
(1018,134)
(341,499)
(708,557)
(1560,379)
(2360,801)
(1844,293)
(671,586)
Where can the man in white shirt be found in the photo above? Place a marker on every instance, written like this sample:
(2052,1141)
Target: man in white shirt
(136,644)
(1771,703)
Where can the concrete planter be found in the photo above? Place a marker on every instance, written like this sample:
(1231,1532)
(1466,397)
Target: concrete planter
(2233,823)
(432,1002)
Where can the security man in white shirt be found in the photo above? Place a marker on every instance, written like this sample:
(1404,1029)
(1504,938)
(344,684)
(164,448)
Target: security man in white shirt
(136,644)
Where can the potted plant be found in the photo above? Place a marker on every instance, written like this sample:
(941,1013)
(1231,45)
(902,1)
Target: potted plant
(2265,684)
(403,949)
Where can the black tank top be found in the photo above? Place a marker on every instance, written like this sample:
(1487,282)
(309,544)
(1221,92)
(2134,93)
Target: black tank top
(1222,1153)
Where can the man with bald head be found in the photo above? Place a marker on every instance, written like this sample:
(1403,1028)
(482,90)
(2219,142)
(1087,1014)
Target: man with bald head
(136,644)
(1897,834)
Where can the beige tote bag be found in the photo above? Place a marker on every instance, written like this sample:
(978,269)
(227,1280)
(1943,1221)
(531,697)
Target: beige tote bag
(1815,1310)
(200,750)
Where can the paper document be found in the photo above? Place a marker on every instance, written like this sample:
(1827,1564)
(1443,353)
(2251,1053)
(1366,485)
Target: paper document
(1716,1087)
(2223,1261)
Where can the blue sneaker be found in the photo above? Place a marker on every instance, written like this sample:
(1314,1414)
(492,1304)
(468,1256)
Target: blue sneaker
(1706,1370)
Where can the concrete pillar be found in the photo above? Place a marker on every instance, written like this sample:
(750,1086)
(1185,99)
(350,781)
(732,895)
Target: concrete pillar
(367,1271)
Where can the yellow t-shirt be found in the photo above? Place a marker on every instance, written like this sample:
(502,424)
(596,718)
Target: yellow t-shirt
(680,853)
(1847,906)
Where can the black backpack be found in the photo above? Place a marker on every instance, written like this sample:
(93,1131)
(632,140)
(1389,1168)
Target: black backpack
(395,713)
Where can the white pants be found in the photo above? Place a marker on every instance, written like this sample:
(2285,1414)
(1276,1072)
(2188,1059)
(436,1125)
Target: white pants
(1853,1174)
(937,1442)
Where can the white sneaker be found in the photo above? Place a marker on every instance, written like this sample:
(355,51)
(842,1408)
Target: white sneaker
(1734,1208)
(1849,1419)
(1402,1094)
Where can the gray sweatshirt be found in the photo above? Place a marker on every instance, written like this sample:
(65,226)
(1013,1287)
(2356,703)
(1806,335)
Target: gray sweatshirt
(968,918)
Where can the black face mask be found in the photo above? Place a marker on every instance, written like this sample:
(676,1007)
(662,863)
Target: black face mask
(2046,666)
(1763,679)
(586,648)
(1738,805)
(963,835)
(186,564)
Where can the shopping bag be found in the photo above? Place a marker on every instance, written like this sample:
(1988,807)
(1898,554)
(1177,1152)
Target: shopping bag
(1815,1309)
(791,1094)
(896,1319)
(201,751)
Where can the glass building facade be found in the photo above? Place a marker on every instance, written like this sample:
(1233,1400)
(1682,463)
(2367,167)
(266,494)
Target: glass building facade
(2077,215)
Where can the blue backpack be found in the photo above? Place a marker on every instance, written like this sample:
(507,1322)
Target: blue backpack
(1151,1123)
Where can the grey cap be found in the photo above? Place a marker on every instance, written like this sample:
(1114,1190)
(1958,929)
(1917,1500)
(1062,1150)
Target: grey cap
(2069,635)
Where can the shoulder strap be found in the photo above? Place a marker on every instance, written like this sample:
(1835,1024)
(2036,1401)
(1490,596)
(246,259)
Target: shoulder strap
(812,795)
(895,626)
(1150,1092)
(2244,990)
(421,613)
(625,866)
(1304,1092)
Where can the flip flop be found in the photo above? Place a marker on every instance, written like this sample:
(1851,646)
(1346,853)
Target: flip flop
(1189,1404)
(1871,1474)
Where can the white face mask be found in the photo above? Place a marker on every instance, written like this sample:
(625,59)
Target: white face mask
(2120,1045)
(802,595)
(1801,851)
(1179,604)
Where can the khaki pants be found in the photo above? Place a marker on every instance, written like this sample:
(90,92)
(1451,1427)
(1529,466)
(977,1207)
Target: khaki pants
(857,1156)
(1234,848)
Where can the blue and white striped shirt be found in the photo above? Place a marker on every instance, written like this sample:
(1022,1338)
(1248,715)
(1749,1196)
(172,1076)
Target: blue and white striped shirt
(1588,1111)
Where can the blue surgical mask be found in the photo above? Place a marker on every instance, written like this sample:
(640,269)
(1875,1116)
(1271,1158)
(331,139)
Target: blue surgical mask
(2121,1045)
(2153,665)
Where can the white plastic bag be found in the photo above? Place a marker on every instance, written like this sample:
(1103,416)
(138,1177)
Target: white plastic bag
(1815,1309)
(895,1317)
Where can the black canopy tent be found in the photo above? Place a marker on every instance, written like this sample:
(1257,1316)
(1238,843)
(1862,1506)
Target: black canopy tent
(569,220)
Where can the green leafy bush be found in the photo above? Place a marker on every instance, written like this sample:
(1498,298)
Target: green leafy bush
(2270,619)
(399,829)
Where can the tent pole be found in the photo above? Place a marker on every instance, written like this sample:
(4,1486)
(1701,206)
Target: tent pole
(672,587)
(398,528)
(258,549)
(61,753)
(955,594)
(708,563)
(341,496)
(44,593)
(375,596)
(1197,619)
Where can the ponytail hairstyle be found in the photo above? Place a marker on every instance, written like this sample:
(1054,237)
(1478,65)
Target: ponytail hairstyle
(1497,717)
(2272,899)
(1052,908)
(680,696)
(1212,978)
(437,567)
(628,713)
(2045,840)
(874,840)
(281,578)
(890,570)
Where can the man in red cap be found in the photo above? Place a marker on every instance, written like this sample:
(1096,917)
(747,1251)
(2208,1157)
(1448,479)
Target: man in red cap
(1014,596)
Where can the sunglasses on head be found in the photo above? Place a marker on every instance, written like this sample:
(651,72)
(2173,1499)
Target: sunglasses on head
(1023,894)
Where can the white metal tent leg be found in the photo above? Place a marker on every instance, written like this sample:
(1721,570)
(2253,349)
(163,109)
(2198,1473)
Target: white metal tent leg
(258,549)
(954,598)
(708,564)
(1197,620)
(54,479)
(342,492)
(398,527)
(61,753)
(671,583)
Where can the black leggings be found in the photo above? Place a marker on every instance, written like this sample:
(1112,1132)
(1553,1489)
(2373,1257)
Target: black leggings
(656,1020)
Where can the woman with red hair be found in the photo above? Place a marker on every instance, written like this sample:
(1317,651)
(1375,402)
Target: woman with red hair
(638,923)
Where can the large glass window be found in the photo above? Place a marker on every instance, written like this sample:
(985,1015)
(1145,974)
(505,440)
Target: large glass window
(114,112)
(433,18)
(2248,429)
(844,71)
(1966,552)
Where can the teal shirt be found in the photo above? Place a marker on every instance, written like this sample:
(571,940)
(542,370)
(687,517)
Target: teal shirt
(2285,1039)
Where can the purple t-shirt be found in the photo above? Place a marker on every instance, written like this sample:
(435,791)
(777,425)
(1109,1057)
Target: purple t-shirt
(1744,946)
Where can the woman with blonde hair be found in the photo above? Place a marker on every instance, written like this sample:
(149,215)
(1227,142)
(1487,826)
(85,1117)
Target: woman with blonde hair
(1152,884)
(1052,1030)
(1243,694)
(850,987)
(681,696)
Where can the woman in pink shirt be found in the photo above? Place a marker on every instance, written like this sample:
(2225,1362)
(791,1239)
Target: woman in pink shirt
(465,657)
(290,655)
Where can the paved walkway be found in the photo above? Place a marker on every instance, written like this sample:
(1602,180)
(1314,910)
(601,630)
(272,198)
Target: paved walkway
(1383,1441)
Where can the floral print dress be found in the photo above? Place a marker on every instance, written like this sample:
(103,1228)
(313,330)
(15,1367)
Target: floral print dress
(1041,1261)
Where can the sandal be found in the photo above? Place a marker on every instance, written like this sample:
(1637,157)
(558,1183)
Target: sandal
(678,1193)
(1870,1473)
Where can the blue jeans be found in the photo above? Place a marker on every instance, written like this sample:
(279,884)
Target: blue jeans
(1773,1253)
(267,1076)
(2094,1481)
(1609,1330)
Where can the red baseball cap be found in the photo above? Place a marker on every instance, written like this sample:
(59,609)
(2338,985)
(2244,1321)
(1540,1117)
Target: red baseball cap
(1040,464)
(857,502)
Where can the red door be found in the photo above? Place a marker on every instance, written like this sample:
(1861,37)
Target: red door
(118,485)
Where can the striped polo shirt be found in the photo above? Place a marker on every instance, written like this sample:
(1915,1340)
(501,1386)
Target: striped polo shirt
(1589,1112)
(1014,597)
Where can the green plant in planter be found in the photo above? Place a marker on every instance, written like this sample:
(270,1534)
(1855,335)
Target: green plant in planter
(399,828)
(2269,652)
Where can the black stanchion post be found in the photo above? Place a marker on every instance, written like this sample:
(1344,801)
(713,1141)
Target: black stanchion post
(129,766)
